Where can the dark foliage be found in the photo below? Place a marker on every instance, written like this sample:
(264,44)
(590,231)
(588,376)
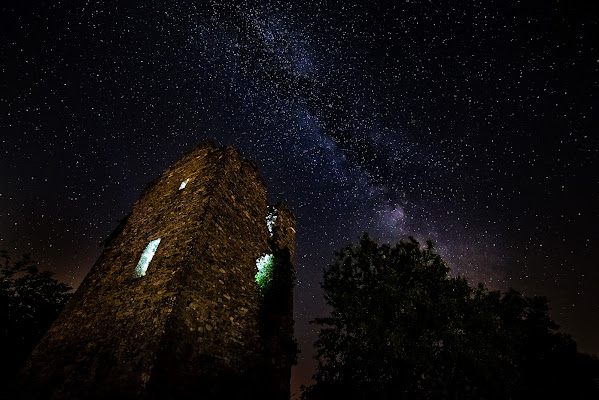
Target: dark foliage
(274,298)
(30,300)
(401,327)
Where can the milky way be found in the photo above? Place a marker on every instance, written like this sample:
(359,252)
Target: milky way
(470,123)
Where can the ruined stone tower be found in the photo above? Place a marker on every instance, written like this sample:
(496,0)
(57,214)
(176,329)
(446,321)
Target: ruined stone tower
(191,297)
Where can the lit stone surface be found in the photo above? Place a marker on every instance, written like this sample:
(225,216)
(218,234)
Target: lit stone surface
(189,327)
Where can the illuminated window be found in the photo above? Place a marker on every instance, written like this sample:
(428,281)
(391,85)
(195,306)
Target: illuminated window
(183,184)
(264,265)
(146,257)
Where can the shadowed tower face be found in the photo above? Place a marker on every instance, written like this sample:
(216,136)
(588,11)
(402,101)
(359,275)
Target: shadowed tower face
(176,306)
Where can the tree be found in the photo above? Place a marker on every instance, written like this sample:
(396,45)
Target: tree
(30,300)
(401,327)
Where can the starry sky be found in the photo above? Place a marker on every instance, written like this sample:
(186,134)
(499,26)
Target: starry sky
(471,123)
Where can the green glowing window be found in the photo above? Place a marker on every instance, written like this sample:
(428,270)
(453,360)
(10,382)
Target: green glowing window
(146,257)
(183,184)
(264,265)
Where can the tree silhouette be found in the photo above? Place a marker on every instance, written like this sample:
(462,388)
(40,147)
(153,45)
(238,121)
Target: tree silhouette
(30,300)
(401,327)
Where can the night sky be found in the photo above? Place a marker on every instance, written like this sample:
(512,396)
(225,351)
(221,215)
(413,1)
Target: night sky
(472,123)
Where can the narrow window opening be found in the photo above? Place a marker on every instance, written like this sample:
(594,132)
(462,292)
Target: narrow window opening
(264,265)
(146,257)
(183,184)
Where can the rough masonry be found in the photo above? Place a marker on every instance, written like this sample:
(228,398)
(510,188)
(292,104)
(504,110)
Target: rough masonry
(194,323)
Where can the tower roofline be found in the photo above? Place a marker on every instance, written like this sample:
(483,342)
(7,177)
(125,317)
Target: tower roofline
(211,145)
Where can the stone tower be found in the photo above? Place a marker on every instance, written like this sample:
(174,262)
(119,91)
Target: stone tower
(173,307)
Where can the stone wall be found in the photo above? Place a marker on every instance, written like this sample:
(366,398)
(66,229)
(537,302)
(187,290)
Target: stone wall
(277,334)
(189,326)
